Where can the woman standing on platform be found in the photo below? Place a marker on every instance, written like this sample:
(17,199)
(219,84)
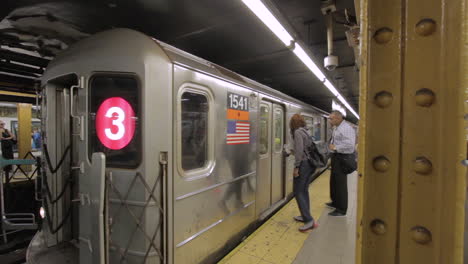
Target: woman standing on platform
(303,170)
(7,144)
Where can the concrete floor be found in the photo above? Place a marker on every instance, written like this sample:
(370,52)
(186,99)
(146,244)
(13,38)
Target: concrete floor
(334,242)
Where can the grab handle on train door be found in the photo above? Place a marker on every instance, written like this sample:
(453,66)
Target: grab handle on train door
(79,118)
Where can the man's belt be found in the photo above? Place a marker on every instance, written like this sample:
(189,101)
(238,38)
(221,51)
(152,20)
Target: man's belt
(342,154)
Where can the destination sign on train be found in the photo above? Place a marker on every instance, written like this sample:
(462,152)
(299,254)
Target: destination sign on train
(115,123)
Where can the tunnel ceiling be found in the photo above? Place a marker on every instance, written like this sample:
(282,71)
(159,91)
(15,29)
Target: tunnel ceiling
(227,33)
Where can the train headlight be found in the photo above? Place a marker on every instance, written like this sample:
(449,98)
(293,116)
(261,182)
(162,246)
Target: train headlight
(42,212)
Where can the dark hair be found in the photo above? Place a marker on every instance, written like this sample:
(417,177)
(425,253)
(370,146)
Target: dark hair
(296,122)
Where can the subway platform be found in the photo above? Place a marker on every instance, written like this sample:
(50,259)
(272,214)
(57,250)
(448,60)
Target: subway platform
(278,240)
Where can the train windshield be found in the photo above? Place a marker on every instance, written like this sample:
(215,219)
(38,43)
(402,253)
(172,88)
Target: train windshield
(114,120)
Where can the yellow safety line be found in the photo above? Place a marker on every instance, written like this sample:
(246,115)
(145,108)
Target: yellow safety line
(278,240)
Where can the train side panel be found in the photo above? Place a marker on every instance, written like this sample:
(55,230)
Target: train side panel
(214,177)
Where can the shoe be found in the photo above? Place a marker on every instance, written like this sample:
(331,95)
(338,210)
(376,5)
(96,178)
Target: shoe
(330,205)
(299,218)
(308,226)
(337,213)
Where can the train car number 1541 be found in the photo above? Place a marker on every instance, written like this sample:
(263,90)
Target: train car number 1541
(238,102)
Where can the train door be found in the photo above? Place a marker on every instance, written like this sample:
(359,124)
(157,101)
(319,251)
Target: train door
(277,164)
(58,136)
(264,159)
(65,144)
(270,182)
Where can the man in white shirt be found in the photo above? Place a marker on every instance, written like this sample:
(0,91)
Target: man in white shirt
(342,146)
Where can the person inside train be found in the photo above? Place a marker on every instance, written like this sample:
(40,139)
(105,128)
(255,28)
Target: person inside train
(36,138)
(7,144)
(342,149)
(303,170)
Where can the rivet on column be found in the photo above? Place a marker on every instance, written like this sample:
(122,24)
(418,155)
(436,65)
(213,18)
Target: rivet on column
(381,164)
(378,227)
(421,235)
(426,27)
(383,35)
(425,97)
(383,99)
(422,165)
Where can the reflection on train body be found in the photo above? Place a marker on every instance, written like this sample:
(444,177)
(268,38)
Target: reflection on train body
(192,154)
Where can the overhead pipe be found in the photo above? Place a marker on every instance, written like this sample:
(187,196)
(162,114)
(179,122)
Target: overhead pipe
(331,61)
(329,21)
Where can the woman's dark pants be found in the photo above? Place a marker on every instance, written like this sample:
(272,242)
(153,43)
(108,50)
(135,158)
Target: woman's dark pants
(301,189)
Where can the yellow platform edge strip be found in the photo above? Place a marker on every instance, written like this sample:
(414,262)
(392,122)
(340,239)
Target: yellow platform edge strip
(278,240)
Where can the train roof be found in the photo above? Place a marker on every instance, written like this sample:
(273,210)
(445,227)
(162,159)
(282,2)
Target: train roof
(91,49)
(185,59)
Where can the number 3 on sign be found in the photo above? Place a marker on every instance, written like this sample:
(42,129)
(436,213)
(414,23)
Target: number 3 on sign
(117,122)
(115,125)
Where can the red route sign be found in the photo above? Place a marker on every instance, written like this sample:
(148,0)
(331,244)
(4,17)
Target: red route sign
(115,123)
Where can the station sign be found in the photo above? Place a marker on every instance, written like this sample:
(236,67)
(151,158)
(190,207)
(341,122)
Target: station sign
(115,123)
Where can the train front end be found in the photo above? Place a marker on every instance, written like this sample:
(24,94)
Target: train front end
(106,142)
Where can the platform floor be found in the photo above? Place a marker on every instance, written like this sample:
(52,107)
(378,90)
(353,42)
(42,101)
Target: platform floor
(278,240)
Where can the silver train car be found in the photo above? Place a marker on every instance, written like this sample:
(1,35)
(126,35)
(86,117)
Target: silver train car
(154,155)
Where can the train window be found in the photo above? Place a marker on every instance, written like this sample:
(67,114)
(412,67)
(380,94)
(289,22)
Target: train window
(114,123)
(317,131)
(194,129)
(264,135)
(309,124)
(278,119)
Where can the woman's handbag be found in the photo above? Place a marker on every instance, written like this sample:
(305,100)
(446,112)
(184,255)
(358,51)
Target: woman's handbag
(317,155)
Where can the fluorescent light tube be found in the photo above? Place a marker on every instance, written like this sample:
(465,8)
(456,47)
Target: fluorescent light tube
(300,53)
(262,12)
(348,106)
(269,20)
(332,88)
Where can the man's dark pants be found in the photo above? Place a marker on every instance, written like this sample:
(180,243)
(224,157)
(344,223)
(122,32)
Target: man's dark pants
(341,166)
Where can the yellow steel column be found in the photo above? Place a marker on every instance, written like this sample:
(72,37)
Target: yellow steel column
(414,83)
(24,129)
(380,103)
(433,142)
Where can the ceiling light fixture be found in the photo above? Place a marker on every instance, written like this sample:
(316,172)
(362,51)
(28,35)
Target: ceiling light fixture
(262,12)
(302,55)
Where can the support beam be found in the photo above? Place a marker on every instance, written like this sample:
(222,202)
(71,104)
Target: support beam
(23,58)
(24,131)
(17,84)
(20,69)
(412,132)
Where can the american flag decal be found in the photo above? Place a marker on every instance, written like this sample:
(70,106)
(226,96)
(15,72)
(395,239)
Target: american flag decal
(238,133)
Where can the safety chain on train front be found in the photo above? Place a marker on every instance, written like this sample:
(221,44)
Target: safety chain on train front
(46,190)
(138,220)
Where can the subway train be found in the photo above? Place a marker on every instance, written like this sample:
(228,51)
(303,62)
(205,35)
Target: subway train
(153,155)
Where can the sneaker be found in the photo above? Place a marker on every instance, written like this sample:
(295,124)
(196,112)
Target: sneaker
(337,213)
(299,218)
(308,226)
(330,205)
